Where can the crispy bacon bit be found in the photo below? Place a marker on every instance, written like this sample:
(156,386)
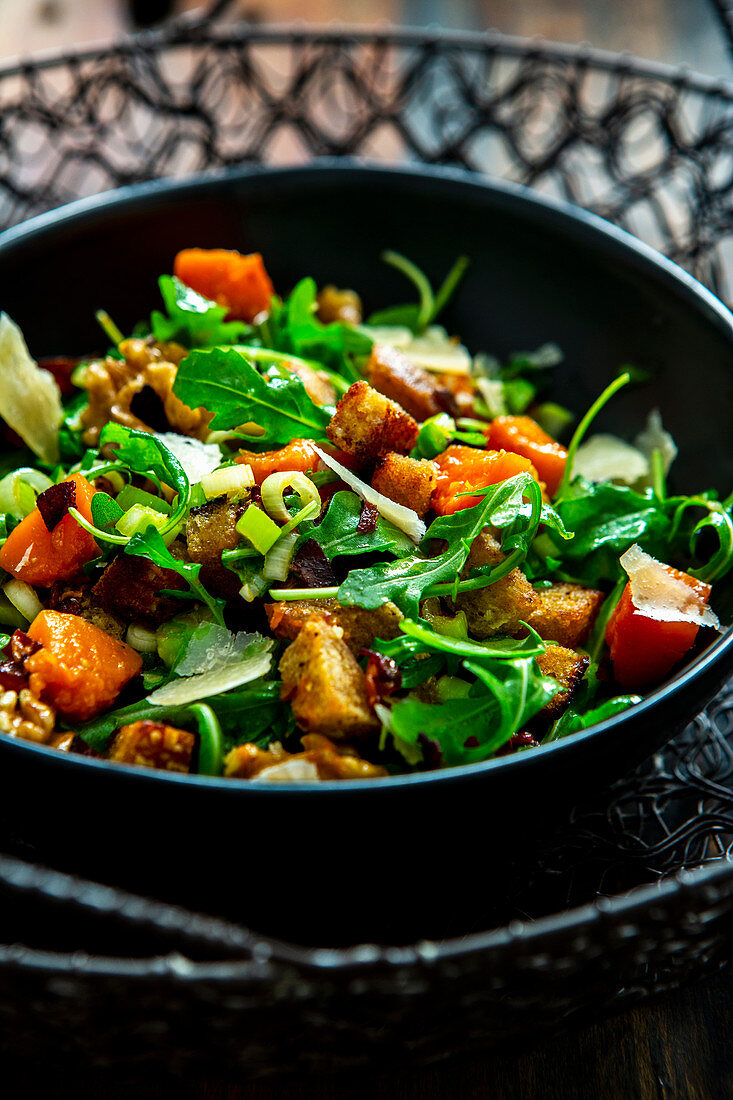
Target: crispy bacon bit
(54,503)
(521,740)
(383,678)
(312,565)
(368,518)
(21,646)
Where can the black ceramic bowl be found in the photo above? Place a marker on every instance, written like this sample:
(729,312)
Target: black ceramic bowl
(417,855)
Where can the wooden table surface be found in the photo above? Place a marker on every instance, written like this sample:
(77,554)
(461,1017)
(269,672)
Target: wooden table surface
(679,1046)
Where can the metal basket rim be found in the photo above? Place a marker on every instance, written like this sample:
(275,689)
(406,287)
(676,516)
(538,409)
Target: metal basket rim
(261,950)
(183,32)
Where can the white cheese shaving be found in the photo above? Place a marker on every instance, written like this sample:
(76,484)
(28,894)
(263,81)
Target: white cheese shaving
(435,351)
(198,459)
(30,400)
(289,771)
(405,518)
(215,661)
(607,458)
(655,438)
(661,596)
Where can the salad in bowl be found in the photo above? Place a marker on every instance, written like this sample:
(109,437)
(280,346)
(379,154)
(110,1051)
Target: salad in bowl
(266,538)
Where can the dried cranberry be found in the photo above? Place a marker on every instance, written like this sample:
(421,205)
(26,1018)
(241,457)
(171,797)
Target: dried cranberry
(522,740)
(12,676)
(368,518)
(432,753)
(312,565)
(383,678)
(54,503)
(21,646)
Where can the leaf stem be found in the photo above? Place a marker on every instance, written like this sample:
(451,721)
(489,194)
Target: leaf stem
(582,428)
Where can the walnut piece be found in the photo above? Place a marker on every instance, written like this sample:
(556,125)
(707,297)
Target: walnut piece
(23,715)
(113,384)
(153,745)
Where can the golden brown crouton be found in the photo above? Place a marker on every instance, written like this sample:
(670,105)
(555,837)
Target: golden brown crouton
(500,606)
(332,761)
(130,587)
(566,613)
(325,684)
(153,745)
(360,627)
(339,305)
(74,597)
(211,529)
(368,425)
(567,668)
(413,388)
(409,481)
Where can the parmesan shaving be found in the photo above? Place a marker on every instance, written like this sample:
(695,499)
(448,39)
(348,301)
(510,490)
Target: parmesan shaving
(290,771)
(198,459)
(215,661)
(607,458)
(661,596)
(405,518)
(30,400)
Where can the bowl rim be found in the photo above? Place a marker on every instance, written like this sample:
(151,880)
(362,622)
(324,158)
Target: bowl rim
(517,197)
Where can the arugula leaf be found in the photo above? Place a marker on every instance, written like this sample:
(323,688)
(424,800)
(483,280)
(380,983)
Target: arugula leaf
(337,533)
(225,382)
(193,320)
(149,544)
(144,453)
(105,511)
(571,720)
(292,326)
(504,697)
(252,713)
(405,581)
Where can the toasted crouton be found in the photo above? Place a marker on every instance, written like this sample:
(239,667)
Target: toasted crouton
(211,529)
(360,627)
(567,668)
(153,745)
(409,481)
(368,425)
(413,388)
(501,606)
(130,589)
(566,613)
(325,684)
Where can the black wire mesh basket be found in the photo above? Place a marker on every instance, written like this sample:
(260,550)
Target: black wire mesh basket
(635,893)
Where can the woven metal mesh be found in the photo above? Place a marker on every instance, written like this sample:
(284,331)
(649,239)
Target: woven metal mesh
(649,148)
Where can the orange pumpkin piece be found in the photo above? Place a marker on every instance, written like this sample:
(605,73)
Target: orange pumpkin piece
(79,669)
(38,556)
(644,649)
(461,469)
(523,436)
(239,282)
(299,454)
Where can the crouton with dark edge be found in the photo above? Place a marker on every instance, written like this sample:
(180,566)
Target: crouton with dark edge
(408,481)
(130,589)
(368,425)
(566,613)
(501,606)
(567,668)
(417,391)
(360,627)
(211,529)
(332,761)
(325,685)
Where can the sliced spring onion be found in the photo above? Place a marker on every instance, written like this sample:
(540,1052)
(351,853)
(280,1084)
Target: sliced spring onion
(23,598)
(19,489)
(229,480)
(253,588)
(139,518)
(405,518)
(10,617)
(258,528)
(141,639)
(274,486)
(277,561)
(131,495)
